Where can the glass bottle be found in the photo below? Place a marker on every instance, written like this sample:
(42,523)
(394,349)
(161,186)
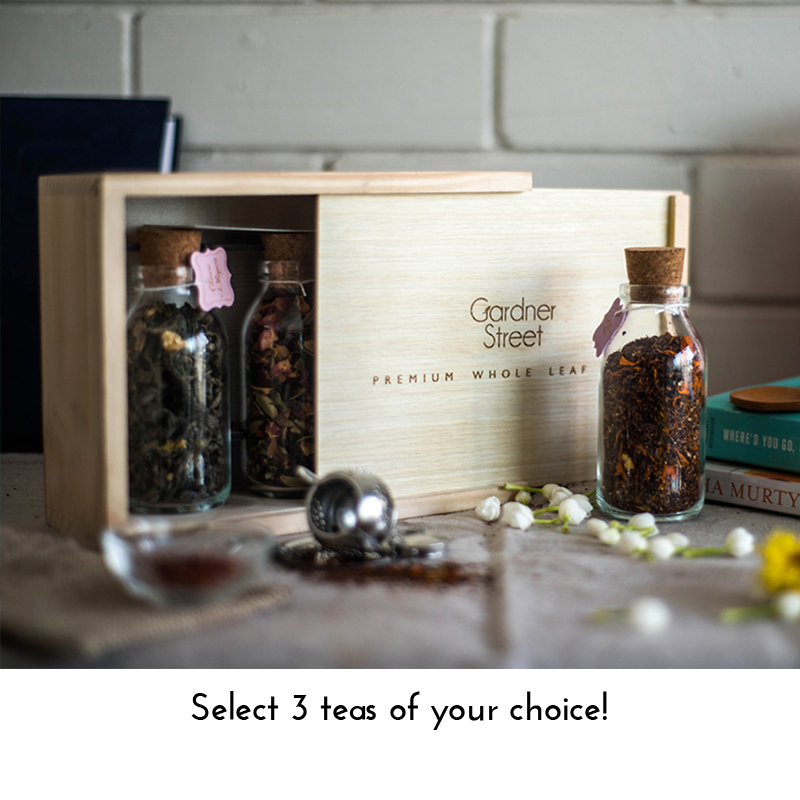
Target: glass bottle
(278,370)
(651,442)
(179,429)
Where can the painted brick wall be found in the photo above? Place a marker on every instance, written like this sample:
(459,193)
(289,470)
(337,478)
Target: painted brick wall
(702,97)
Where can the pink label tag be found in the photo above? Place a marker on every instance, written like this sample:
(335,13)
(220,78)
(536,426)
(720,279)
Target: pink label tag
(608,327)
(213,279)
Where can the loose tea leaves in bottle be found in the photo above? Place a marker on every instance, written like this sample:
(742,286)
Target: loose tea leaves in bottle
(177,438)
(653,398)
(178,415)
(280,404)
(278,370)
(652,395)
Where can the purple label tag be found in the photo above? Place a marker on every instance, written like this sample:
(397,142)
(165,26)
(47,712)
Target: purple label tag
(213,279)
(608,327)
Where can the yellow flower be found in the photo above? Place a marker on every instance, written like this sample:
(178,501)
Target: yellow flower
(780,565)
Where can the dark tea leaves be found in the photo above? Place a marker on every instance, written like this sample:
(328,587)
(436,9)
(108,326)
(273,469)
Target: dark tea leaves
(653,401)
(177,401)
(279,388)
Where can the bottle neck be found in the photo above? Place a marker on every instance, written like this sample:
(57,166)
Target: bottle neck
(172,285)
(632,294)
(285,271)
(164,277)
(282,275)
(181,295)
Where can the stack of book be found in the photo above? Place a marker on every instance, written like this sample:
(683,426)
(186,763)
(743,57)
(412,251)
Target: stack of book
(753,457)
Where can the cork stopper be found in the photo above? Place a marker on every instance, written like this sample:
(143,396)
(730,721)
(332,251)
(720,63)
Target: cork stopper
(655,266)
(164,254)
(287,247)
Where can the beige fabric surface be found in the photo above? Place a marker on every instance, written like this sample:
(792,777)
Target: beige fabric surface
(57,595)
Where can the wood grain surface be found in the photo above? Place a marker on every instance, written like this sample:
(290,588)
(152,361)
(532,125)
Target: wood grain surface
(176,184)
(402,260)
(413,387)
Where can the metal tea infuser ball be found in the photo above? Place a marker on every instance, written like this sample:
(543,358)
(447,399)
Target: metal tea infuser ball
(352,516)
(350,510)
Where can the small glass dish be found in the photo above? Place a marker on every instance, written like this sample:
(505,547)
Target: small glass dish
(172,566)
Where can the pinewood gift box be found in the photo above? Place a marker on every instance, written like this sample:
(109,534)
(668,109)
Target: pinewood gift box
(455,314)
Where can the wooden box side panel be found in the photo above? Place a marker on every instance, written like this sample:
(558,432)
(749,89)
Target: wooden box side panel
(73,405)
(113,355)
(679,208)
(419,376)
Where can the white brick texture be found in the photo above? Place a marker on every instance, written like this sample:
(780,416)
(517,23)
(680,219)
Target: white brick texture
(322,79)
(62,52)
(702,97)
(550,170)
(211,161)
(652,79)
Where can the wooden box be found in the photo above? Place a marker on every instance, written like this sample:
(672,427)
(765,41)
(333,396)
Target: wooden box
(455,318)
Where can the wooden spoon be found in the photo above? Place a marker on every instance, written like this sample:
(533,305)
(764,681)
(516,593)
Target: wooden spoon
(767,398)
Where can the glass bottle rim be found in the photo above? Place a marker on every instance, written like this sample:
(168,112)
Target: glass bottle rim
(164,277)
(290,265)
(645,294)
(283,272)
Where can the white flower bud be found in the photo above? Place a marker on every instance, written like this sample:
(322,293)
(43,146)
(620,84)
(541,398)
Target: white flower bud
(570,512)
(595,525)
(787,604)
(642,521)
(739,542)
(518,519)
(584,502)
(516,515)
(549,488)
(678,540)
(561,493)
(488,509)
(631,542)
(609,535)
(660,548)
(649,615)
(523,497)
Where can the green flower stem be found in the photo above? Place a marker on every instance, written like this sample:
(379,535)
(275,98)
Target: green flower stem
(549,509)
(701,552)
(745,613)
(608,614)
(555,521)
(620,527)
(512,487)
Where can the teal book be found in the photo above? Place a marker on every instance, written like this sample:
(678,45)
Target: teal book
(756,438)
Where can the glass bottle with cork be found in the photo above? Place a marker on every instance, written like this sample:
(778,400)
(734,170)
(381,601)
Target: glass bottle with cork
(651,443)
(278,368)
(178,393)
